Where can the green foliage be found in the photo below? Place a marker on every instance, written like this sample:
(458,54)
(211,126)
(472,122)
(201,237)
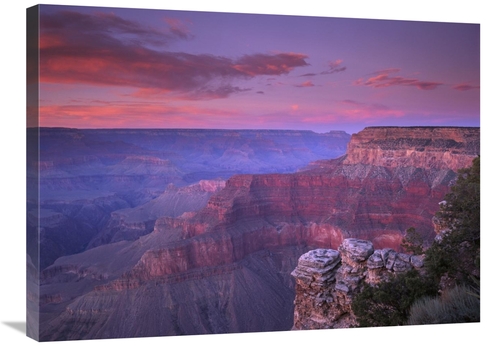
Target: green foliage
(457,254)
(474,289)
(457,305)
(462,208)
(388,303)
(413,242)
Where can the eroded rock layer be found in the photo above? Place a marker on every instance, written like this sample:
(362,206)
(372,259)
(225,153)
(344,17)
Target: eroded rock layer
(226,267)
(427,147)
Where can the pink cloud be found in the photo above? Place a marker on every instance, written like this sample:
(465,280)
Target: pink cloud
(104,49)
(344,112)
(126,114)
(364,111)
(385,78)
(305,84)
(178,28)
(464,87)
(334,64)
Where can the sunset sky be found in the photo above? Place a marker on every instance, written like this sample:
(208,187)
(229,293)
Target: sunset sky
(125,68)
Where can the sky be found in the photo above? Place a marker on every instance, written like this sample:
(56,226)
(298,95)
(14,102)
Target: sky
(136,68)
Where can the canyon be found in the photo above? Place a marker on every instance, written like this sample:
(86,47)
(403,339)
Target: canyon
(83,183)
(225,265)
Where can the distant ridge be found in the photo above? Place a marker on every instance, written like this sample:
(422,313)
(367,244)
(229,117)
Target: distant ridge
(186,129)
(424,127)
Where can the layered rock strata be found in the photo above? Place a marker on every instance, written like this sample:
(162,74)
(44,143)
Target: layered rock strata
(430,147)
(103,184)
(327,280)
(226,267)
(132,223)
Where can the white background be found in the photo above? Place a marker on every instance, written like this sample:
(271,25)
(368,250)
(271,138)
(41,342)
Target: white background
(12,167)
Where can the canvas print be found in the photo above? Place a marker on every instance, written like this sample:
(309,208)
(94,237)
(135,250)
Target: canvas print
(205,173)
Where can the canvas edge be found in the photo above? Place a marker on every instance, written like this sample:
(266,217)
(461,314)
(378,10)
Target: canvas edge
(32,174)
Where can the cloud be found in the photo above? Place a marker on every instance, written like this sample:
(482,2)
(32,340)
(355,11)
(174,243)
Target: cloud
(129,114)
(334,64)
(334,67)
(222,91)
(364,111)
(341,69)
(465,87)
(387,71)
(346,111)
(104,49)
(386,78)
(178,28)
(305,84)
(266,64)
(103,30)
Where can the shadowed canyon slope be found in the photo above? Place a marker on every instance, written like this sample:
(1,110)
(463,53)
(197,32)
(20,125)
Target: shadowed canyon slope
(226,267)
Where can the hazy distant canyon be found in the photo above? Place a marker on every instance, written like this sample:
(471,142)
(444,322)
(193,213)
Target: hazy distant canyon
(99,186)
(171,232)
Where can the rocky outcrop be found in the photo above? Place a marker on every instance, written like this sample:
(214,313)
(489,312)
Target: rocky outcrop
(327,280)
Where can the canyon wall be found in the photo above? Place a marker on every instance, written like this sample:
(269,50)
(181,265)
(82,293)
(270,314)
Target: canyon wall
(104,185)
(427,147)
(227,266)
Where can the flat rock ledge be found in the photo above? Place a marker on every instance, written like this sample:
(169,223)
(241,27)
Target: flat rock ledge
(317,267)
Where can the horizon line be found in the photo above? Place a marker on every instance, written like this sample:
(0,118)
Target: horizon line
(236,129)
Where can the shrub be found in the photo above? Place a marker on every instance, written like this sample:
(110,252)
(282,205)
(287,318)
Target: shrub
(388,303)
(455,256)
(413,242)
(456,305)
(457,253)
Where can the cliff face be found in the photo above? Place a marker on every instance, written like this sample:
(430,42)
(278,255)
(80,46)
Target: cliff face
(171,291)
(389,180)
(132,223)
(227,266)
(427,147)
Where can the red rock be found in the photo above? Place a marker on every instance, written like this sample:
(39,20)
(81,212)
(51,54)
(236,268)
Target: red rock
(320,207)
(389,180)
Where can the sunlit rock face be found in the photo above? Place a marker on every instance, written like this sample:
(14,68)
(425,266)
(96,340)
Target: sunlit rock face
(386,183)
(226,267)
(435,148)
